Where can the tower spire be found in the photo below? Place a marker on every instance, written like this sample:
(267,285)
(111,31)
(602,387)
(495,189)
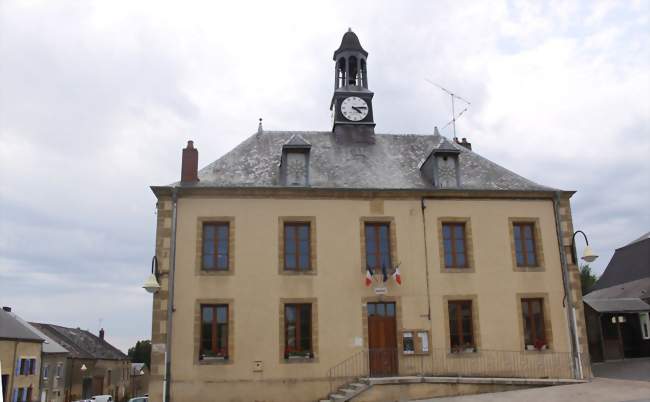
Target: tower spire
(351,104)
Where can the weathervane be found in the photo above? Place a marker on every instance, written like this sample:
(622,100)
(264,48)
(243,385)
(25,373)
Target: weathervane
(453,105)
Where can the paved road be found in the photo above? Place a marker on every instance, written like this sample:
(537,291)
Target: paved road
(628,369)
(599,390)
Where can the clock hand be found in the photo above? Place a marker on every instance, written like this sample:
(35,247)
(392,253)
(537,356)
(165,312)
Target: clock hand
(358,108)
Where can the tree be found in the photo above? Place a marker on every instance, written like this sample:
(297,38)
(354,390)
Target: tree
(141,353)
(587,278)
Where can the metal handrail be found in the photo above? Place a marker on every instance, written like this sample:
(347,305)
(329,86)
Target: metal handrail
(352,367)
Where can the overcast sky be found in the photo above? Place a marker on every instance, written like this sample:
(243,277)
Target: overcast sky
(98,98)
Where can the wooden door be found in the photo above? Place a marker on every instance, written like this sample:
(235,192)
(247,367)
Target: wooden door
(382,339)
(98,385)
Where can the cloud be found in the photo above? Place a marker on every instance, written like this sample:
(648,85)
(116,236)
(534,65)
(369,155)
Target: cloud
(97,98)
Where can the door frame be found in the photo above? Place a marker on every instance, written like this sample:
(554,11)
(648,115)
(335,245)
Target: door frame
(398,325)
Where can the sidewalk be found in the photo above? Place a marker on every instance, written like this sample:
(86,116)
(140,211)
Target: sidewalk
(599,390)
(629,369)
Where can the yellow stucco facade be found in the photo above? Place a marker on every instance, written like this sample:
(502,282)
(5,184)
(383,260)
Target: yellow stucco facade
(10,352)
(256,289)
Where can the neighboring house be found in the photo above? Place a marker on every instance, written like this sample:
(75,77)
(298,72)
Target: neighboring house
(93,366)
(53,373)
(618,305)
(139,379)
(275,239)
(20,354)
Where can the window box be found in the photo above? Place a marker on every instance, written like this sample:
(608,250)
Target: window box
(299,355)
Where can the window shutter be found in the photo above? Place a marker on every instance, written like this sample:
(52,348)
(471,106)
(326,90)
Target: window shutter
(14,397)
(18,361)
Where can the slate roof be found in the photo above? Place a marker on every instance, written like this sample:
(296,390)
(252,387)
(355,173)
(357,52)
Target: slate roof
(639,288)
(622,305)
(12,327)
(391,163)
(629,263)
(350,41)
(49,344)
(81,343)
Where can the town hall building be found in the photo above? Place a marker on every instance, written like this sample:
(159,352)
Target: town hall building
(300,266)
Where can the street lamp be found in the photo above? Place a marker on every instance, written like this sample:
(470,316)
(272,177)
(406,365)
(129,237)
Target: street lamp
(588,255)
(151,285)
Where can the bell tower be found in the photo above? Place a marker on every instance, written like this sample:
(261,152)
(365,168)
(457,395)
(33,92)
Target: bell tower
(351,106)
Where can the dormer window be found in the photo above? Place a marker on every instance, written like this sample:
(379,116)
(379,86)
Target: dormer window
(446,169)
(441,167)
(294,166)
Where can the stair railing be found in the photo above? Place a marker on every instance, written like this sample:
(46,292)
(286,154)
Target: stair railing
(349,369)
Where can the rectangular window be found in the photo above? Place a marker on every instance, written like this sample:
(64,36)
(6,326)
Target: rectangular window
(46,369)
(377,246)
(525,244)
(461,327)
(453,235)
(32,366)
(214,332)
(109,378)
(25,366)
(533,316)
(59,367)
(216,240)
(297,246)
(297,331)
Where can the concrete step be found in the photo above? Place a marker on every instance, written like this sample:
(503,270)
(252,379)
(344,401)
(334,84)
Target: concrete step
(358,385)
(338,397)
(348,390)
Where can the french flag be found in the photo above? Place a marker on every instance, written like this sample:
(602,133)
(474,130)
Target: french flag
(368,277)
(397,276)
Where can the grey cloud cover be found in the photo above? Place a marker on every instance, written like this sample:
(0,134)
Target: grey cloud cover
(97,98)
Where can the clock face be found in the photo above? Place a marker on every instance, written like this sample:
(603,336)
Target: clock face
(354,108)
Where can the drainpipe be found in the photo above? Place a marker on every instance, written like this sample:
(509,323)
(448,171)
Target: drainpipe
(426,258)
(571,311)
(170,301)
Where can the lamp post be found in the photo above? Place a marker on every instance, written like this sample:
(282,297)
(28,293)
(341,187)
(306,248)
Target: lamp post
(84,392)
(151,285)
(588,255)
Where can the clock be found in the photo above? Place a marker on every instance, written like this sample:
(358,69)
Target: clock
(354,108)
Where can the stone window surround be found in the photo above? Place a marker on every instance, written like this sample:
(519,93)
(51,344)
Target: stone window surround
(314,329)
(199,245)
(548,330)
(475,325)
(391,234)
(469,248)
(197,332)
(312,244)
(539,251)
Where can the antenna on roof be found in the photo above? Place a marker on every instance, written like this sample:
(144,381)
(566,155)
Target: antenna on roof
(453,105)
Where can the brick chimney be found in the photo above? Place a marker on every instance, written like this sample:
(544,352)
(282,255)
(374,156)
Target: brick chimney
(7,309)
(464,143)
(101,334)
(190,164)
